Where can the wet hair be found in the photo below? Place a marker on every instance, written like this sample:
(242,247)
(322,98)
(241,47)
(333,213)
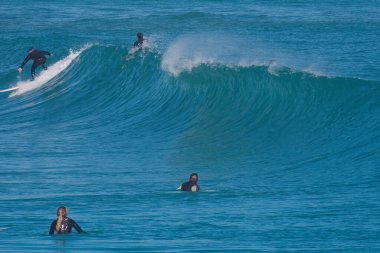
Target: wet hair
(59,208)
(140,35)
(193,174)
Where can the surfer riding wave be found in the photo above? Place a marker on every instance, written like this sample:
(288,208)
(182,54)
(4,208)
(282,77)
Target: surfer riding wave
(38,57)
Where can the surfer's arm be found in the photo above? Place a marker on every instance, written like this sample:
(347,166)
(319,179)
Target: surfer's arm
(27,58)
(52,227)
(46,53)
(77,227)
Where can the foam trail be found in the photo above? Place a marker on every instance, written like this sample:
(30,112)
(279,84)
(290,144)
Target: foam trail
(47,75)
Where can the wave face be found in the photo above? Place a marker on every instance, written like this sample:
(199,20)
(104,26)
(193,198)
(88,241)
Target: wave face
(277,115)
(266,111)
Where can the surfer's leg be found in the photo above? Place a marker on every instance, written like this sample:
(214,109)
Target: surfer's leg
(34,66)
(44,64)
(33,71)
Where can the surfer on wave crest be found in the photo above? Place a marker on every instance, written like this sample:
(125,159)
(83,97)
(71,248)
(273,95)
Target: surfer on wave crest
(38,57)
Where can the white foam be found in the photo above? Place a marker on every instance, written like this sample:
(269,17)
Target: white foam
(186,53)
(191,50)
(273,67)
(47,75)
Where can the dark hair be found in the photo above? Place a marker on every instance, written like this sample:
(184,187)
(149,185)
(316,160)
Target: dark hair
(59,208)
(194,174)
(140,35)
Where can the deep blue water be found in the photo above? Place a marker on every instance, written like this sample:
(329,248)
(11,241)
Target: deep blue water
(276,104)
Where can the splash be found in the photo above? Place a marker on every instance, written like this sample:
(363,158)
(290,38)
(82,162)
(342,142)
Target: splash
(47,75)
(190,51)
(146,46)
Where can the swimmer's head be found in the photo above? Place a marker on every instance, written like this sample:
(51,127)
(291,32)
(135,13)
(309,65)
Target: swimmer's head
(140,35)
(62,211)
(193,177)
(30,49)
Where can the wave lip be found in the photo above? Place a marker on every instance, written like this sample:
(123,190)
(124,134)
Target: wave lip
(190,51)
(47,75)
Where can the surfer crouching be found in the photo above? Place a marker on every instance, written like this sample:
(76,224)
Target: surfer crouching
(191,185)
(63,224)
(38,57)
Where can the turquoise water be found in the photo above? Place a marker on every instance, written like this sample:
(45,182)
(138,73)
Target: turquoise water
(274,103)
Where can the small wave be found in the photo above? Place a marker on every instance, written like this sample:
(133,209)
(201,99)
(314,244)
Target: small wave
(47,75)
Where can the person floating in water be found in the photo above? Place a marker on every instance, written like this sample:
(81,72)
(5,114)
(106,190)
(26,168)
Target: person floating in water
(63,224)
(191,185)
(140,40)
(38,57)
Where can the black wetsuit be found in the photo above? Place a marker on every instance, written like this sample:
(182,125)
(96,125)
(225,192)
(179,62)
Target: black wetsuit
(38,57)
(138,43)
(188,185)
(66,226)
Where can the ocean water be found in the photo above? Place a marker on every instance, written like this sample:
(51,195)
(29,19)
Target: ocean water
(276,104)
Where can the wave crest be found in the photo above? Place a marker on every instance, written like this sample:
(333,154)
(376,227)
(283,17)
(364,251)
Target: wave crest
(190,51)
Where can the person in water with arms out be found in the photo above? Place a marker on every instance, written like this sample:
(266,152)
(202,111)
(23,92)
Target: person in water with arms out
(63,224)
(191,185)
(38,57)
(140,40)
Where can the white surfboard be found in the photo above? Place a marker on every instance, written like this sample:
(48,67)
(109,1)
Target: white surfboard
(10,89)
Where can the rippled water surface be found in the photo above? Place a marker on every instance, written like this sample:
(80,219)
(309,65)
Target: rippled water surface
(274,103)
